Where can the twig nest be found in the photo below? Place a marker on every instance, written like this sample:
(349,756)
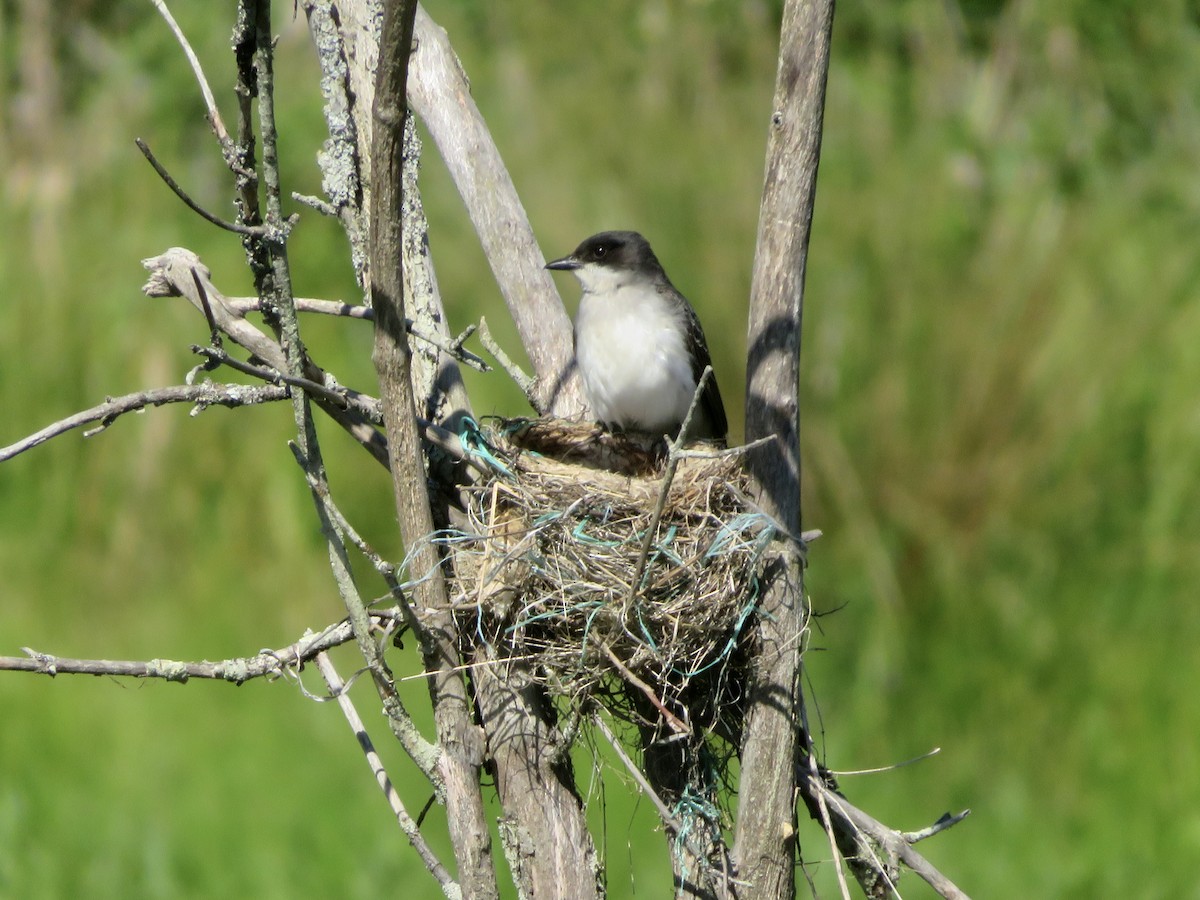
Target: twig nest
(551,566)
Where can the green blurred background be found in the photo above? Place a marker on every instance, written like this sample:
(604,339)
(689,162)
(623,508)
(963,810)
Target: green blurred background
(1001,428)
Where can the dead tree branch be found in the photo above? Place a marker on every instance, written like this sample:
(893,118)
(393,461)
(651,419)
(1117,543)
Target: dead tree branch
(412,830)
(272,271)
(441,96)
(765,839)
(459,739)
(201,395)
(451,345)
(438,388)
(238,670)
(878,845)
(212,218)
(210,102)
(180,273)
(528,385)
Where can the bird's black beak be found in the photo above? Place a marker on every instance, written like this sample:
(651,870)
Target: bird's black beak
(566,264)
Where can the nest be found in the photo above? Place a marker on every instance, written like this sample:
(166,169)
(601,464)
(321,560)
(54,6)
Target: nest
(553,567)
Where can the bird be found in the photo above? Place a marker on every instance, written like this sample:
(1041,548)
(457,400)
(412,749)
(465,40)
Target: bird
(639,347)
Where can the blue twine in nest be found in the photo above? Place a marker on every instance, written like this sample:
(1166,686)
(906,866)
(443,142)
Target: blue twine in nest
(556,613)
(723,543)
(470,436)
(691,809)
(584,538)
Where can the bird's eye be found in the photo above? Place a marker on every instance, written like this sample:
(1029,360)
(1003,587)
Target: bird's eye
(601,251)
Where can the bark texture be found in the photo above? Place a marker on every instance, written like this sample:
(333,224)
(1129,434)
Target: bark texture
(459,738)
(765,839)
(441,96)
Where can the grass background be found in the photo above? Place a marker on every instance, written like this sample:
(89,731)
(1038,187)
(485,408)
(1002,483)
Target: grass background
(1001,428)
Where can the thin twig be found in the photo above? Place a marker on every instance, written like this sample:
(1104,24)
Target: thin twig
(406,822)
(672,466)
(249,230)
(381,565)
(722,452)
(827,823)
(908,762)
(677,724)
(422,752)
(202,395)
(274,376)
(652,795)
(452,346)
(321,206)
(243,305)
(237,670)
(527,384)
(946,821)
(214,331)
(214,115)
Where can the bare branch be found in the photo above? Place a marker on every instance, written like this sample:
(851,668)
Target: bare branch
(721,452)
(441,96)
(527,385)
(834,850)
(459,738)
(202,395)
(214,114)
(273,376)
(407,824)
(895,845)
(438,389)
(178,272)
(236,228)
(652,795)
(243,305)
(243,163)
(765,839)
(452,346)
(325,209)
(382,566)
(422,752)
(274,285)
(237,670)
(946,821)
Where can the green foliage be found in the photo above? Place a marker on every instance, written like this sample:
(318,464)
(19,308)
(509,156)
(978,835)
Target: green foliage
(1001,428)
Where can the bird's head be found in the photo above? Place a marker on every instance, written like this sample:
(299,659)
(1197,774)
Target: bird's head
(610,260)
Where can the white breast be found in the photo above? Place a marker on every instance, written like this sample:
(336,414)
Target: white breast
(629,346)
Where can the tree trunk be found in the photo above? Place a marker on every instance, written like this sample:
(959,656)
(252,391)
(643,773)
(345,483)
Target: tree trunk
(460,740)
(765,838)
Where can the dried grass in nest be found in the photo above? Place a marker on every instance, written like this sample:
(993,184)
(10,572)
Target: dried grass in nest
(553,548)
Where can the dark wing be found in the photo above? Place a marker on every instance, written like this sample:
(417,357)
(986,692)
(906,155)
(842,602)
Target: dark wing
(710,400)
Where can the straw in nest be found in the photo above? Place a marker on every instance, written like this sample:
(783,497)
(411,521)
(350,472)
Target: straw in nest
(552,567)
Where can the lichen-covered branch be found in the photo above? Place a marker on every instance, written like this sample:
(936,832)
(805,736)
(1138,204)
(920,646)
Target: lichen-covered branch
(458,737)
(201,396)
(178,272)
(237,670)
(342,168)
